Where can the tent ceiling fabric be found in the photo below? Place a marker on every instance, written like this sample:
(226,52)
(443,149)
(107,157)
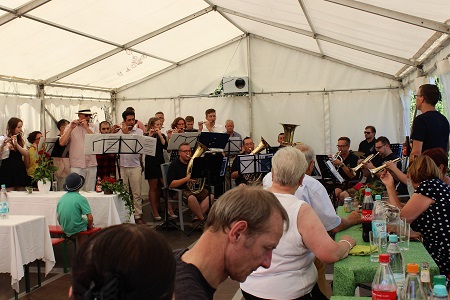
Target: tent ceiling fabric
(87,42)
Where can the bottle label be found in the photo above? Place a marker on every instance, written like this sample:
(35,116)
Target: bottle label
(378,295)
(379,228)
(425,276)
(366,215)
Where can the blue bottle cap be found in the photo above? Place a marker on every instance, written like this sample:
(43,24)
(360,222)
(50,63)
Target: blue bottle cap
(368,190)
(377,197)
(440,290)
(393,238)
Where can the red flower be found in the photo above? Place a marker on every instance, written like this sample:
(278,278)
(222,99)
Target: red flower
(41,152)
(110,179)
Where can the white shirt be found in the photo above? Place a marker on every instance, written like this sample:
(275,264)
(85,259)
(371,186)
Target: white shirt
(292,273)
(131,160)
(216,128)
(314,193)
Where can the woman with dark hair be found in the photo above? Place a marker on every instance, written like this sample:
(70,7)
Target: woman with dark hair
(34,139)
(440,158)
(13,169)
(178,125)
(427,208)
(124,262)
(153,168)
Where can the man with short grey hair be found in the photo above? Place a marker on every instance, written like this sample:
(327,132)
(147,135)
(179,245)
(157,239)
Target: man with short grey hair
(229,126)
(242,229)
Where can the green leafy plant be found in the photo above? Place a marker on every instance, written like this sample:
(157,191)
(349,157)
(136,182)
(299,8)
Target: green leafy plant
(121,189)
(376,188)
(45,168)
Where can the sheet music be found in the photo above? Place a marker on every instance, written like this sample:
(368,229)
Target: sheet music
(49,144)
(255,163)
(119,143)
(233,146)
(333,170)
(178,138)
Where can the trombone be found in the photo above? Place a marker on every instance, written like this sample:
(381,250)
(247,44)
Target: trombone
(382,167)
(365,161)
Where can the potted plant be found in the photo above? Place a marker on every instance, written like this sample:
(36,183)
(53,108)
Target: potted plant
(376,188)
(44,172)
(110,186)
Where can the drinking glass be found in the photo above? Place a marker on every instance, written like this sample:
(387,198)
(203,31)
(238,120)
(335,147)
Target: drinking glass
(403,231)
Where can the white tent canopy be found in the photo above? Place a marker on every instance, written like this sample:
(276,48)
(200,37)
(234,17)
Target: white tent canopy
(332,66)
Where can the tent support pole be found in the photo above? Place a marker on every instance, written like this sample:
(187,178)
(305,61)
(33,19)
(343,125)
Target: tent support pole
(41,95)
(250,94)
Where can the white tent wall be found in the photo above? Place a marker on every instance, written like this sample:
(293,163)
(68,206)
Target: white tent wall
(25,108)
(356,98)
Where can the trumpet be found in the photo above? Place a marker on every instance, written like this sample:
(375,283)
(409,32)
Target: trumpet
(365,161)
(382,167)
(337,155)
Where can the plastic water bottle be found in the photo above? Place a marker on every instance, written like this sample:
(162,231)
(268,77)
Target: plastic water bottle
(383,285)
(413,288)
(396,260)
(379,221)
(439,280)
(425,279)
(4,203)
(367,207)
(439,292)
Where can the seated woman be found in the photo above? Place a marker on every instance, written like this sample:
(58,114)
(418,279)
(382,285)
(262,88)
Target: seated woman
(33,138)
(124,262)
(15,158)
(426,210)
(440,158)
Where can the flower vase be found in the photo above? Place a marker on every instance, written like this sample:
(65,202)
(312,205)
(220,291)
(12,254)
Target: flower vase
(107,192)
(44,187)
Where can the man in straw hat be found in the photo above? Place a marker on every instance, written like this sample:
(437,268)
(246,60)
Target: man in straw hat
(85,165)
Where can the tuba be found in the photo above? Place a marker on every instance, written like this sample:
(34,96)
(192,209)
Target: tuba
(256,178)
(197,186)
(289,130)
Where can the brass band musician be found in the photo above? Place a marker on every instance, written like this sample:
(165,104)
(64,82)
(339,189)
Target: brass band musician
(247,148)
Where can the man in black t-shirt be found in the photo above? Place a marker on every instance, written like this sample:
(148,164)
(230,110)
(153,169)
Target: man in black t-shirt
(242,229)
(368,145)
(247,148)
(430,129)
(177,178)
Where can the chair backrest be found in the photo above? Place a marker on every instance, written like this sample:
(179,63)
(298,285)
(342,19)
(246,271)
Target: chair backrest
(164,169)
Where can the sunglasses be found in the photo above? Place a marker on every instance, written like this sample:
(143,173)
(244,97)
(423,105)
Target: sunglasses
(367,132)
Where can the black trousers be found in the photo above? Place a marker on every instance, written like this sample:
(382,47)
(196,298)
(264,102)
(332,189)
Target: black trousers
(315,294)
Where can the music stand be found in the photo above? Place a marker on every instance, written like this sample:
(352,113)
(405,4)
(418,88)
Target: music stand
(327,176)
(255,163)
(232,148)
(209,166)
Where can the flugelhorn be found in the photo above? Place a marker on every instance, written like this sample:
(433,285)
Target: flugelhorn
(337,155)
(365,161)
(382,167)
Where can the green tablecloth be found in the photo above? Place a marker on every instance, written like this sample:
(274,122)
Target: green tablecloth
(358,269)
(349,298)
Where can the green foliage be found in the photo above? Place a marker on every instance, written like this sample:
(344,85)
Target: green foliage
(45,168)
(376,188)
(118,187)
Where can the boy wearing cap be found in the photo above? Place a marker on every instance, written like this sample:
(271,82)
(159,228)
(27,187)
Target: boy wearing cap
(85,165)
(71,206)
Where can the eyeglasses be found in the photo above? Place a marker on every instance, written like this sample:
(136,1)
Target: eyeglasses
(86,116)
(378,148)
(367,132)
(341,146)
(415,96)
(185,151)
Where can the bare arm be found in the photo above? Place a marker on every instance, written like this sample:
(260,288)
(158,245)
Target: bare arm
(64,139)
(235,175)
(316,238)
(416,150)
(352,219)
(179,182)
(90,219)
(415,207)
(388,181)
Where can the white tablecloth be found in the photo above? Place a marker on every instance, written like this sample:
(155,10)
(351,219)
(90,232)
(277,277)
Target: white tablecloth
(107,210)
(23,239)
